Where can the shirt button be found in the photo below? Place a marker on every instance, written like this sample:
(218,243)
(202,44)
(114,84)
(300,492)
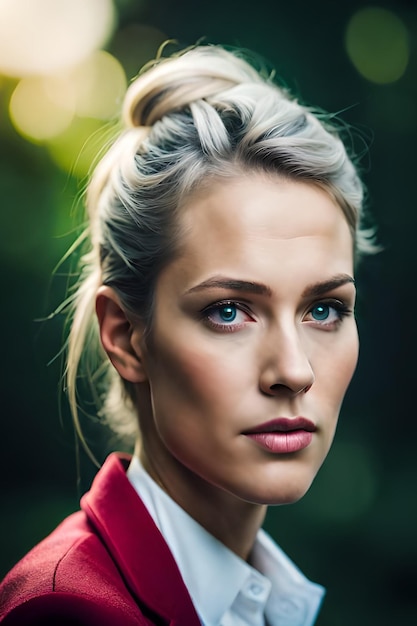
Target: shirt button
(255,589)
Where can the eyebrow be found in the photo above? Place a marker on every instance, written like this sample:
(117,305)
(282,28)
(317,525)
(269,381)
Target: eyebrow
(233,284)
(220,282)
(318,289)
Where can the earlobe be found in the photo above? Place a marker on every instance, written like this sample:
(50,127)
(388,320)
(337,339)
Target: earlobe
(116,336)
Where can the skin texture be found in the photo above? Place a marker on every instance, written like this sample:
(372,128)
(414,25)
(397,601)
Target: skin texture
(225,357)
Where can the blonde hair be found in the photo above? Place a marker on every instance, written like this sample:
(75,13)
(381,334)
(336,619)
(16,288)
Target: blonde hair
(203,113)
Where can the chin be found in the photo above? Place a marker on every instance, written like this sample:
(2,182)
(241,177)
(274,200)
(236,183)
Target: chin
(288,496)
(285,490)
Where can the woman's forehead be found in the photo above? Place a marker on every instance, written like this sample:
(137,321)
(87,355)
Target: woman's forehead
(261,206)
(263,230)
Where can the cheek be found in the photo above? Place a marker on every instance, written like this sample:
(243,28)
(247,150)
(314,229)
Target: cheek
(335,377)
(348,360)
(191,395)
(334,366)
(182,377)
(344,370)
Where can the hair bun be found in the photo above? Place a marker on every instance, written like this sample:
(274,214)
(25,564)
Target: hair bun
(170,84)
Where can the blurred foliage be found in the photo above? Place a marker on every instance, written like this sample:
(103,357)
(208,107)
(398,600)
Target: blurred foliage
(355,529)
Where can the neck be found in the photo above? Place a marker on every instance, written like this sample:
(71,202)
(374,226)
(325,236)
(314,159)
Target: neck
(231,520)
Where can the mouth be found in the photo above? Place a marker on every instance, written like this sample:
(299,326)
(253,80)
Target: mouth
(283,425)
(283,435)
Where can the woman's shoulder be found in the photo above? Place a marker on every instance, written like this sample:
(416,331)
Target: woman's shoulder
(68,578)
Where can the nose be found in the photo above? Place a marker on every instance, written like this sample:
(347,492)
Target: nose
(285,365)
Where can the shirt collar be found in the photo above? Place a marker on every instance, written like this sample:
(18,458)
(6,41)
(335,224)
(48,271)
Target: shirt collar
(274,585)
(294,600)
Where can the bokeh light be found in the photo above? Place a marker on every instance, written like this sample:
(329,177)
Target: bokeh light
(41,108)
(377,43)
(45,36)
(44,108)
(99,85)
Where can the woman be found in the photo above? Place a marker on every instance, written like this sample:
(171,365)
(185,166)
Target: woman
(219,290)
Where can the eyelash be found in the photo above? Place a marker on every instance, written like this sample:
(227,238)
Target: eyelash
(341,309)
(216,307)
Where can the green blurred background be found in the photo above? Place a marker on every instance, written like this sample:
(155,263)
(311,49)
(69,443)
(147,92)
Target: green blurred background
(64,66)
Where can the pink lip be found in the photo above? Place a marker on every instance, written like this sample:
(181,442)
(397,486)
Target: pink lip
(283,435)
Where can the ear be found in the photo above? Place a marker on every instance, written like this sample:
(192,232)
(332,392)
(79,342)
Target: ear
(116,336)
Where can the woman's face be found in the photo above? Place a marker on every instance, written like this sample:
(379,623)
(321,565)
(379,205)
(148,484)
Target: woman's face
(254,341)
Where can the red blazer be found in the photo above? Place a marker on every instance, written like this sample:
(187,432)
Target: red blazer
(105,565)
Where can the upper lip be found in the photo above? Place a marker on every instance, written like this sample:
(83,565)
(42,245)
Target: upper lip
(283,425)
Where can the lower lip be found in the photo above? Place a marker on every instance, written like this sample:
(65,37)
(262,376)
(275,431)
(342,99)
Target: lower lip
(283,443)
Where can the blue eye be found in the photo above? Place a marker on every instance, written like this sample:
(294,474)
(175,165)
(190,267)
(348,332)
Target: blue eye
(320,312)
(328,315)
(226,316)
(227,312)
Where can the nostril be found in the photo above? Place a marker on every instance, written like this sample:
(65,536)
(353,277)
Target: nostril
(277,387)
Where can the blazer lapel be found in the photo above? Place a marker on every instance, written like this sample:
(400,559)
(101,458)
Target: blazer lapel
(136,544)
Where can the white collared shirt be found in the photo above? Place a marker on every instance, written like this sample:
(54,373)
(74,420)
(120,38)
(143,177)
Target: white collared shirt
(225,590)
